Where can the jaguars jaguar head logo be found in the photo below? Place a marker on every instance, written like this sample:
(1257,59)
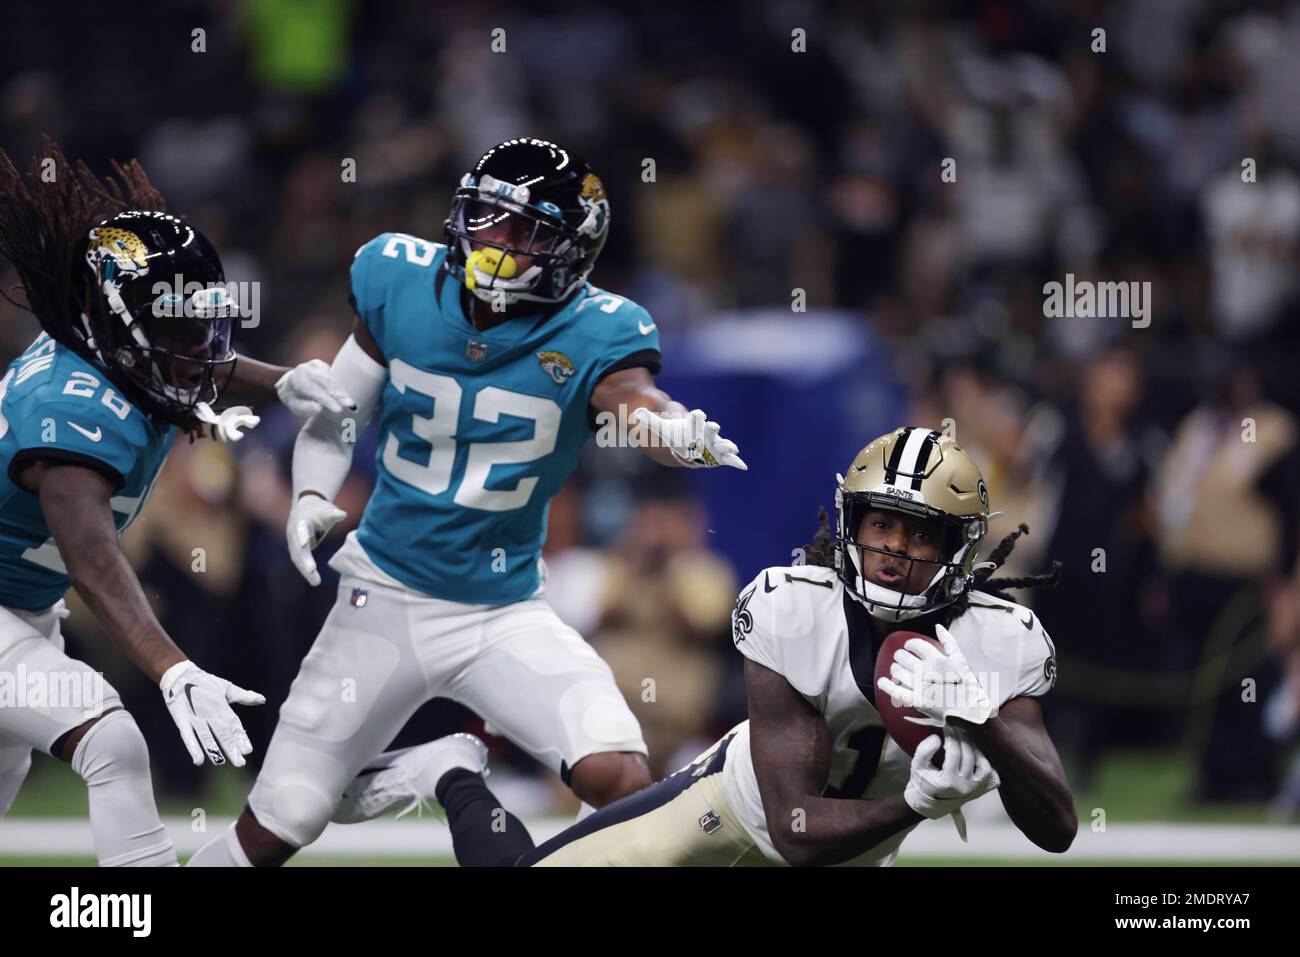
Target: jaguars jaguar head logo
(121,251)
(116,255)
(557,365)
(592,198)
(592,188)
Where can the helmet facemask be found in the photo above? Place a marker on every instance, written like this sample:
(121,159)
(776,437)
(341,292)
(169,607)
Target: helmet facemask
(492,235)
(959,538)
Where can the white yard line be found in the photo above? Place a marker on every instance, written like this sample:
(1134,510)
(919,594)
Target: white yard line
(57,837)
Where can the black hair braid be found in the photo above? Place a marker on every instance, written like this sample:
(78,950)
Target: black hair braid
(1000,554)
(998,587)
(1049,579)
(45,223)
(43,229)
(821,550)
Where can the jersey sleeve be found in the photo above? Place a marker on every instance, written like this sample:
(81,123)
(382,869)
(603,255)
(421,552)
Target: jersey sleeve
(367,295)
(754,626)
(1037,671)
(783,621)
(80,420)
(631,339)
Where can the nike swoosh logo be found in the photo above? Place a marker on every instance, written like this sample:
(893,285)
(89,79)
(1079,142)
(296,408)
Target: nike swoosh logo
(1030,623)
(93,436)
(645,330)
(767,586)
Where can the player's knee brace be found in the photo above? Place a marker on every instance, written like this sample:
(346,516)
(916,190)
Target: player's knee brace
(113,760)
(112,747)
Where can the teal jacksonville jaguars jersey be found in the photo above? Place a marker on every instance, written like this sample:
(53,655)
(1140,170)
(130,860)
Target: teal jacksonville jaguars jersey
(56,405)
(478,430)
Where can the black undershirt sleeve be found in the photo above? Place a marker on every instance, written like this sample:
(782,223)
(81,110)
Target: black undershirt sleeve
(649,359)
(25,457)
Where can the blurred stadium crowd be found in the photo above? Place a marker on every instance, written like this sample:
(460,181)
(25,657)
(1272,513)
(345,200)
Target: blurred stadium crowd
(1160,464)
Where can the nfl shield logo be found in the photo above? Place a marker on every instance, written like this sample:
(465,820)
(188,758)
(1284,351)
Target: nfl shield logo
(476,350)
(359,597)
(710,822)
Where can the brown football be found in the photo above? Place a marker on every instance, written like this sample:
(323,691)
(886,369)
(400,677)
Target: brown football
(907,734)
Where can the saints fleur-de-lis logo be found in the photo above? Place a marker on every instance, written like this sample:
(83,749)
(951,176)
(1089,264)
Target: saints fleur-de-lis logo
(742,622)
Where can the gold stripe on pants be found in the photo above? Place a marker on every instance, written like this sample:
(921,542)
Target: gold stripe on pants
(695,828)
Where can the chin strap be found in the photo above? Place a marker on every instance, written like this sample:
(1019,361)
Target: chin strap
(90,337)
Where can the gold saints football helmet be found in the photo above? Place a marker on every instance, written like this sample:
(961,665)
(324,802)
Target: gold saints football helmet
(917,472)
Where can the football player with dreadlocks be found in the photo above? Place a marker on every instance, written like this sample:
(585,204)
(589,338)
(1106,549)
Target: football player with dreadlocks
(812,777)
(88,414)
(491,358)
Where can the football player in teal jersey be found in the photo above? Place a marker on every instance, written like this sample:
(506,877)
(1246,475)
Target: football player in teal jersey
(491,359)
(137,321)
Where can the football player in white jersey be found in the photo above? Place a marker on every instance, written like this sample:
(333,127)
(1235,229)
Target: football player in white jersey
(812,777)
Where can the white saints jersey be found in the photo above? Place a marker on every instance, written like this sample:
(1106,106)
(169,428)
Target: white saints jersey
(801,623)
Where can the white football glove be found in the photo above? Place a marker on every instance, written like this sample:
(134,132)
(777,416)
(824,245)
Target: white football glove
(199,703)
(966,774)
(694,441)
(309,522)
(307,388)
(939,684)
(229,426)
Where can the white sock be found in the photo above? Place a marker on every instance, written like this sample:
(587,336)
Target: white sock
(222,851)
(114,761)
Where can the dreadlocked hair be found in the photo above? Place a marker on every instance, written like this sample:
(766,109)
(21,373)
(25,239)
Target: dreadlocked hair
(821,550)
(44,223)
(998,587)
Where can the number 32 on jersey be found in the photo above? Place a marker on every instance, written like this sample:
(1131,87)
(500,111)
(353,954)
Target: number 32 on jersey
(438,430)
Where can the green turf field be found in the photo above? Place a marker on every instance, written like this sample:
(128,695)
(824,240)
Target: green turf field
(1132,788)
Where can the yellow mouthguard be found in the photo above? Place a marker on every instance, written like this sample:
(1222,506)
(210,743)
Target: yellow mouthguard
(489,261)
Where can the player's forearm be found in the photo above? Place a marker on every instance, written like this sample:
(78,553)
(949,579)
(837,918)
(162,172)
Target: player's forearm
(77,506)
(109,587)
(322,456)
(668,408)
(658,402)
(252,382)
(322,453)
(1033,787)
(817,831)
(621,402)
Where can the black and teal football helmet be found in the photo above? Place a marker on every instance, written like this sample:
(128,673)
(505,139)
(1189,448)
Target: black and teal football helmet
(526,224)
